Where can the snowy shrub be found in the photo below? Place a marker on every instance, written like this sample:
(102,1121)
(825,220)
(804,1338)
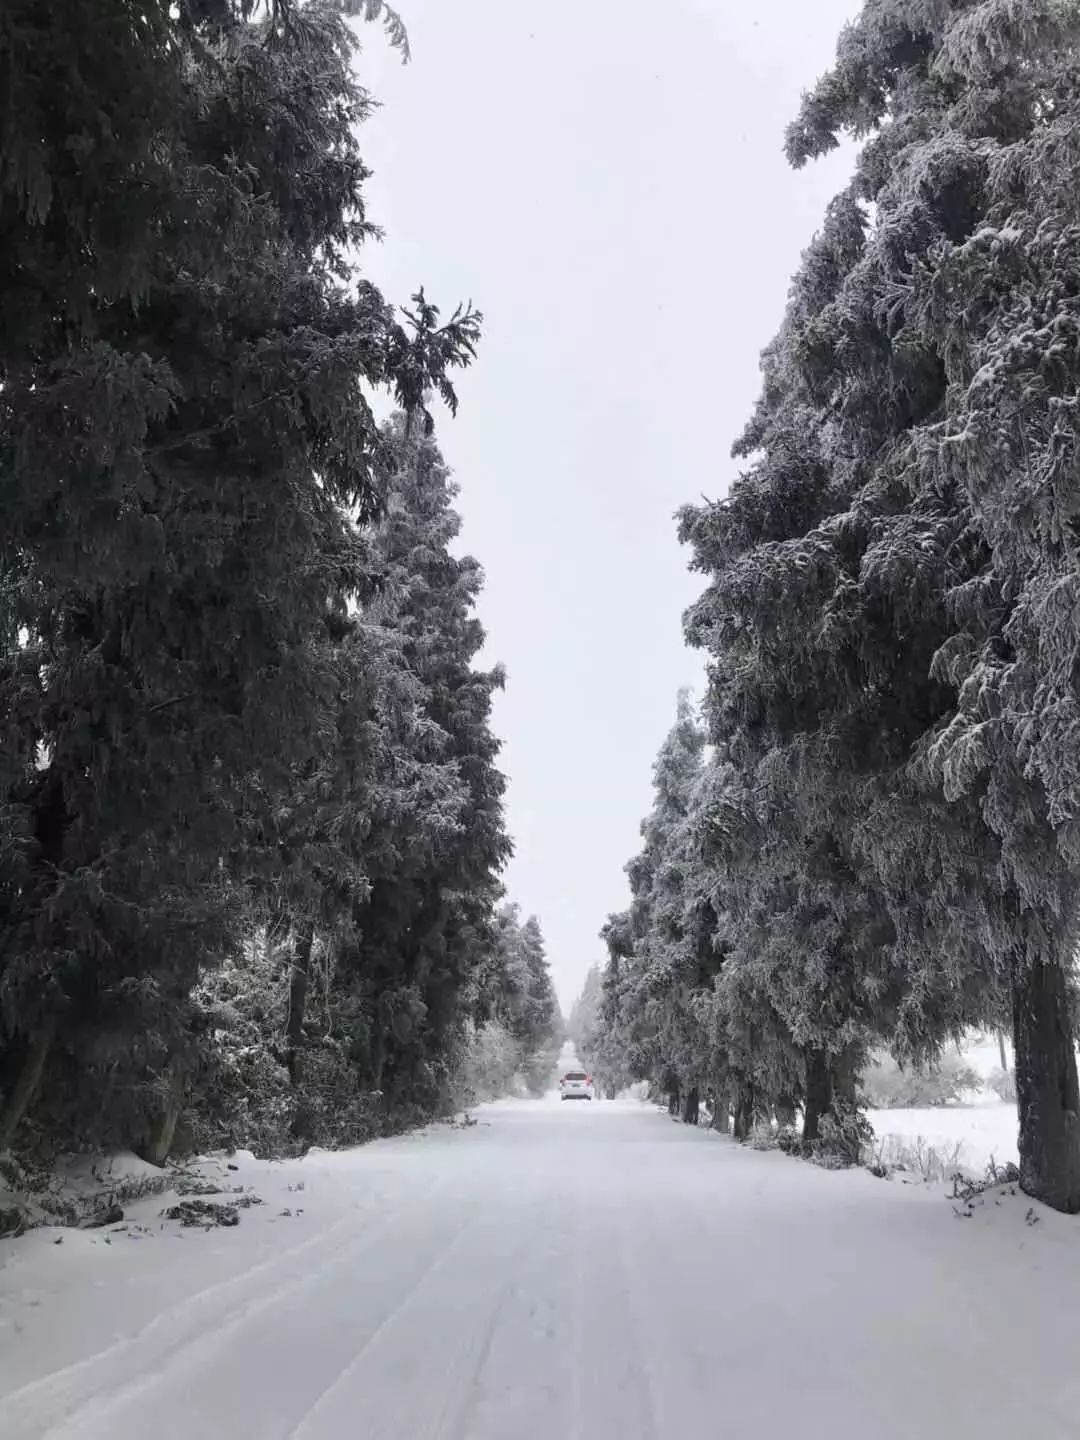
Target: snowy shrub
(490,1063)
(764,1137)
(968,1189)
(789,1140)
(241,1095)
(843,1136)
(241,1099)
(538,1070)
(333,1107)
(12,1221)
(485,1066)
(914,1156)
(1003,1084)
(887,1086)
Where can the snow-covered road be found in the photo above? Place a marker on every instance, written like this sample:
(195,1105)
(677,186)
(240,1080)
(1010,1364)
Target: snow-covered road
(573,1272)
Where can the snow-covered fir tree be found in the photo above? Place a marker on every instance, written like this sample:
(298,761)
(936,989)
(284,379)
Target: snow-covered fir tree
(890,819)
(224,717)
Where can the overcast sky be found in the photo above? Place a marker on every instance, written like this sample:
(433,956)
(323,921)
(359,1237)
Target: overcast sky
(604,179)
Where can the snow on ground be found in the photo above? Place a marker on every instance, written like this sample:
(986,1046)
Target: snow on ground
(77,1188)
(965,1137)
(593,1271)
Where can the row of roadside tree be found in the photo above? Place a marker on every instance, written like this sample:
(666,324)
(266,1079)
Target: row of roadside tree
(871,834)
(251,819)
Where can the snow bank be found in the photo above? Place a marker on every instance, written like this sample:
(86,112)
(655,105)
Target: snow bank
(76,1190)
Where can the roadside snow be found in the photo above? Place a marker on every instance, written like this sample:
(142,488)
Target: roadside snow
(75,1190)
(966,1137)
(589,1270)
(89,1173)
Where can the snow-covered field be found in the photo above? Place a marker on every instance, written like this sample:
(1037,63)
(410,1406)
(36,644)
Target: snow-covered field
(592,1271)
(967,1137)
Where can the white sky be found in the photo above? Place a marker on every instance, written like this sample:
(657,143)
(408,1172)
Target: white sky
(604,179)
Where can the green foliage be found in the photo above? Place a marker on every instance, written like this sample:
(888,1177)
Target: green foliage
(381,985)
(378,10)
(664,948)
(433,838)
(845,1133)
(517,995)
(888,827)
(237,702)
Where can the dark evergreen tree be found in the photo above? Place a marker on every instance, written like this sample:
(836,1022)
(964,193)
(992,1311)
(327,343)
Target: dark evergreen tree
(515,992)
(888,619)
(585,1030)
(972,175)
(893,841)
(188,449)
(663,952)
(436,841)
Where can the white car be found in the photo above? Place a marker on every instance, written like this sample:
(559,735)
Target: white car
(576,1085)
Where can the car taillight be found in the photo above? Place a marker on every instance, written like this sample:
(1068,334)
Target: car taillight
(588,1079)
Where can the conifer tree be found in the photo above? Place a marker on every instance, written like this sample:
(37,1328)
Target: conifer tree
(887,614)
(437,840)
(661,949)
(878,632)
(982,102)
(188,451)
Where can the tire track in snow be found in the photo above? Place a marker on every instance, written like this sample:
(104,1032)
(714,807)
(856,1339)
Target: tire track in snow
(415,1376)
(69,1397)
(578,1313)
(510,1370)
(120,1414)
(635,1310)
(717,1308)
(333,1393)
(71,1386)
(457,1412)
(460,1414)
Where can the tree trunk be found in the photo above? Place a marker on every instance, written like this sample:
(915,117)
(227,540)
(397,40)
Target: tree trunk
(298,988)
(744,1111)
(161,1142)
(691,1109)
(673,1098)
(1001,1051)
(721,1110)
(818,1093)
(785,1112)
(1048,1099)
(26,1084)
(845,1079)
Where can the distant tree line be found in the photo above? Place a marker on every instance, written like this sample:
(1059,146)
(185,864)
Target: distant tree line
(251,820)
(871,836)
